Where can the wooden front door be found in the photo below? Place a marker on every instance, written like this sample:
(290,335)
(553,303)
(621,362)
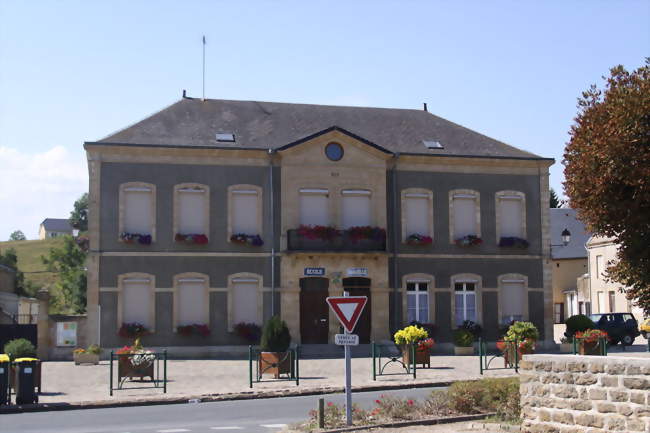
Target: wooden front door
(361,287)
(314,311)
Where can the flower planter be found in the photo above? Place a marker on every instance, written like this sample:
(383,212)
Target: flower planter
(126,369)
(275,363)
(85,358)
(509,355)
(468,350)
(591,348)
(422,356)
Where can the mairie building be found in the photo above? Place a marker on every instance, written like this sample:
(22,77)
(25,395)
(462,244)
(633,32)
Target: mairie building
(219,212)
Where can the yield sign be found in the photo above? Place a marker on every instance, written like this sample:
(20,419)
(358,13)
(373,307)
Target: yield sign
(347,309)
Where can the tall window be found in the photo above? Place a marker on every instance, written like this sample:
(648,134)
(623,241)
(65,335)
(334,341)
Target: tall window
(191,209)
(191,298)
(465,302)
(464,210)
(137,206)
(137,300)
(245,210)
(356,208)
(417,217)
(513,298)
(244,300)
(314,207)
(601,302)
(599,266)
(558,310)
(612,301)
(511,214)
(417,300)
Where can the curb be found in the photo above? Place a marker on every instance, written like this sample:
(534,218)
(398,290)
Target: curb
(398,424)
(205,398)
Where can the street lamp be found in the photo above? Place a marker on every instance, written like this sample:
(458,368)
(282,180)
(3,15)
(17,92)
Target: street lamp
(566,238)
(75,233)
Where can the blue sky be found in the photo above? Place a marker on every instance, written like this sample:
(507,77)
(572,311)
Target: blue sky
(72,71)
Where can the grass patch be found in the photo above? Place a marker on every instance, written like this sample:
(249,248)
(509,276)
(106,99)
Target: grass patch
(29,258)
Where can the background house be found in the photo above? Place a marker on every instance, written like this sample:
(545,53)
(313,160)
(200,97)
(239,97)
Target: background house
(54,227)
(569,262)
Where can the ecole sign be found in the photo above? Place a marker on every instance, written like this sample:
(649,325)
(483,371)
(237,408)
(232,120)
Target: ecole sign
(314,272)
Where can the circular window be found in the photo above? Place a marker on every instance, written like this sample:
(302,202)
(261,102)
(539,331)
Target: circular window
(334,151)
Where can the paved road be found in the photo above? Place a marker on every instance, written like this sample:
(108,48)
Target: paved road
(259,415)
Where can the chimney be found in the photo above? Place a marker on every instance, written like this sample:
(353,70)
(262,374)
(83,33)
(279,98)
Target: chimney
(425,107)
(184,94)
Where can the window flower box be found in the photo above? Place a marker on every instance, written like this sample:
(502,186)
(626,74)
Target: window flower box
(590,341)
(192,238)
(132,238)
(324,233)
(195,329)
(244,239)
(468,241)
(417,239)
(135,362)
(133,330)
(356,234)
(513,242)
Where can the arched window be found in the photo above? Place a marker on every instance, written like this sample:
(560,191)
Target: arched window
(244,210)
(510,214)
(244,298)
(464,214)
(191,209)
(513,292)
(136,303)
(417,212)
(466,301)
(356,208)
(191,299)
(137,208)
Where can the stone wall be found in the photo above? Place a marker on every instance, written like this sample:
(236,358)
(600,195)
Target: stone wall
(585,394)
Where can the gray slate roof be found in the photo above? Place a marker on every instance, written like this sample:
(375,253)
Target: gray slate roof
(57,225)
(566,219)
(264,125)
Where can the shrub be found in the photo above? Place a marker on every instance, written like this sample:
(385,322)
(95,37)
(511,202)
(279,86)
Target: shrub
(463,338)
(275,336)
(94,349)
(521,331)
(20,348)
(465,397)
(578,323)
(487,395)
(472,327)
(396,408)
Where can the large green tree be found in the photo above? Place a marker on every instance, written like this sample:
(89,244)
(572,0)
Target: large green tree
(17,236)
(607,172)
(69,261)
(554,201)
(79,215)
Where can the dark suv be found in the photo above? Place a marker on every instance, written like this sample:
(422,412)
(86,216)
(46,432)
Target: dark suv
(621,327)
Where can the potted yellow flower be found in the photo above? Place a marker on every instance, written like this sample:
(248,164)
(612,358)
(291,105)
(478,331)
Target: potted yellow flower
(418,337)
(89,355)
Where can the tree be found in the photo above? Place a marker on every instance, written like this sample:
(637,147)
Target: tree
(555,201)
(17,236)
(79,215)
(21,287)
(68,261)
(607,172)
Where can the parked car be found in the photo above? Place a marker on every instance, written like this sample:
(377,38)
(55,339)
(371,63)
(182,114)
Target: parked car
(644,327)
(621,327)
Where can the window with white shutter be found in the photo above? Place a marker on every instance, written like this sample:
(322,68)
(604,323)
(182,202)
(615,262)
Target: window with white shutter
(192,210)
(464,210)
(190,293)
(356,208)
(314,208)
(245,212)
(511,214)
(244,300)
(513,299)
(417,207)
(137,208)
(136,301)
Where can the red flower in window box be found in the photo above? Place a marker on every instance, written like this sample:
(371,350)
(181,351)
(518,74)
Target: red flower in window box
(417,239)
(192,238)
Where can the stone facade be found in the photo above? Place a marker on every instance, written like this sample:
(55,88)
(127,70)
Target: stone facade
(590,394)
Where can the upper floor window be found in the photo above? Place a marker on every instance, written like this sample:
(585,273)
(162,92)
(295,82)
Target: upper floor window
(314,207)
(464,214)
(600,266)
(417,213)
(137,208)
(511,214)
(245,204)
(191,209)
(191,299)
(355,208)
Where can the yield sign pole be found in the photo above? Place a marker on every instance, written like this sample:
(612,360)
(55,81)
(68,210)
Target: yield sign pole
(348,310)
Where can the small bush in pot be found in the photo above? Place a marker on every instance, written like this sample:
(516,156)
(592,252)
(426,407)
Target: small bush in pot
(274,344)
(20,348)
(578,323)
(463,342)
(524,335)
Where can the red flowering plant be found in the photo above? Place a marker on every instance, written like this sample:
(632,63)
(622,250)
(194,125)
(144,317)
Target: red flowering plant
(426,344)
(130,238)
(417,239)
(244,239)
(192,238)
(468,241)
(132,330)
(366,232)
(325,233)
(591,335)
(194,329)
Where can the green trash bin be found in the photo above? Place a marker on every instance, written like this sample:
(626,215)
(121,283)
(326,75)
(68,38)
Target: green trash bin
(4,379)
(25,380)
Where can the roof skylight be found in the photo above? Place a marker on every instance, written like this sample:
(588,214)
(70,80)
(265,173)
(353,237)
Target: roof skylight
(225,137)
(431,144)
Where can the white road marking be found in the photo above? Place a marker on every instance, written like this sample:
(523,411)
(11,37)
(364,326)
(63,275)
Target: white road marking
(173,430)
(273,425)
(227,428)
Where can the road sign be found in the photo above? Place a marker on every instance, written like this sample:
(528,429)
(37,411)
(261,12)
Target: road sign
(314,272)
(346,339)
(347,309)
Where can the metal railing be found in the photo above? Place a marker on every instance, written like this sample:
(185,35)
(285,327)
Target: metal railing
(285,368)
(508,352)
(378,367)
(133,365)
(598,347)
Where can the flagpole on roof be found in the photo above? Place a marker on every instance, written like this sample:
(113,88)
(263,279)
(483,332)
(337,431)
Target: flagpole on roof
(204,67)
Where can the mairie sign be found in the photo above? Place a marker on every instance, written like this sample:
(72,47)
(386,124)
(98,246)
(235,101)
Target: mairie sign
(314,272)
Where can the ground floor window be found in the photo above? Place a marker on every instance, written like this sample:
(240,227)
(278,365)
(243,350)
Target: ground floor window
(417,299)
(465,302)
(558,313)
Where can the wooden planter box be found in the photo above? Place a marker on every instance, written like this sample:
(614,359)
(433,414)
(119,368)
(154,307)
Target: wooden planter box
(275,363)
(421,357)
(85,358)
(458,350)
(587,348)
(125,369)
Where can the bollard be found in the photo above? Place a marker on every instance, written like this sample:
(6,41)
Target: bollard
(25,382)
(321,413)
